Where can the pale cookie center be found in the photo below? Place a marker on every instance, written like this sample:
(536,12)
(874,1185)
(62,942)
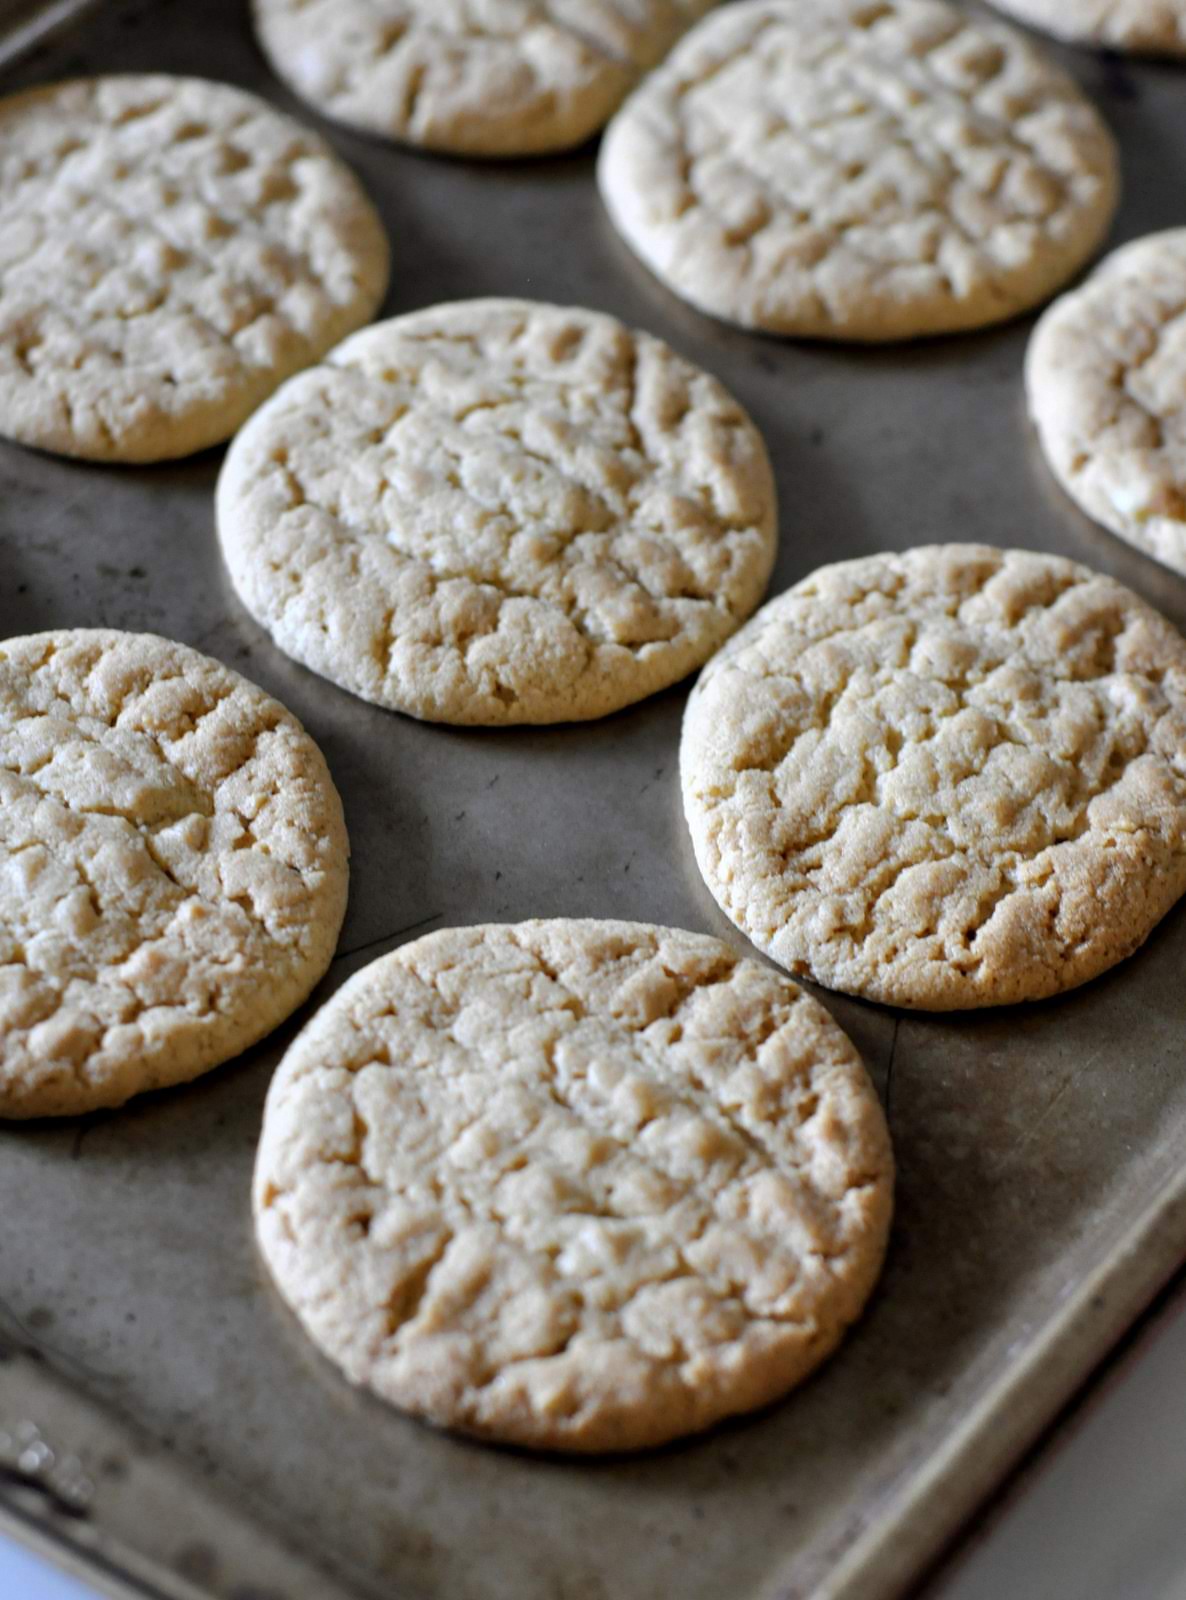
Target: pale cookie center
(517,486)
(138,239)
(918,780)
(128,886)
(592,1171)
(920,149)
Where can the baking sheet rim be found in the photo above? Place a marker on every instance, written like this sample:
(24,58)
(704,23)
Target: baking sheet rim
(908,1534)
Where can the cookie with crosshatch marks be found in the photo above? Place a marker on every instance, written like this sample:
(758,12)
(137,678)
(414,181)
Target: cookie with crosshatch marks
(573,1185)
(859,169)
(499,511)
(1106,384)
(173,865)
(949,778)
(170,251)
(1144,27)
(507,78)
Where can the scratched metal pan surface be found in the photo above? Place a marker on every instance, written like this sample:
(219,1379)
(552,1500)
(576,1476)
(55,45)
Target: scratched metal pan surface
(1041,1199)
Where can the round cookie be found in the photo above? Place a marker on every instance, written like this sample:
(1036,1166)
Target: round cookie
(500,512)
(523,78)
(950,778)
(1106,385)
(1146,27)
(173,867)
(573,1185)
(859,169)
(170,251)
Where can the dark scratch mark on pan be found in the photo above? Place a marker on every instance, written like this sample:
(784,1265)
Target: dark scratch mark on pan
(386,938)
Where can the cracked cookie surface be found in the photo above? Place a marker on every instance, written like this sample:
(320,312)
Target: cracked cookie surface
(173,865)
(170,251)
(573,1185)
(499,511)
(859,169)
(950,778)
(1106,385)
(472,77)
(1146,27)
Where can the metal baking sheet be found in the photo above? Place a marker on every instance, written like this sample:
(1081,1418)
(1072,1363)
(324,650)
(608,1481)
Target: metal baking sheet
(1042,1198)
(24,24)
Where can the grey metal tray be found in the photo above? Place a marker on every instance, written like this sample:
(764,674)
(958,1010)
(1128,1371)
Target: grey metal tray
(1042,1196)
